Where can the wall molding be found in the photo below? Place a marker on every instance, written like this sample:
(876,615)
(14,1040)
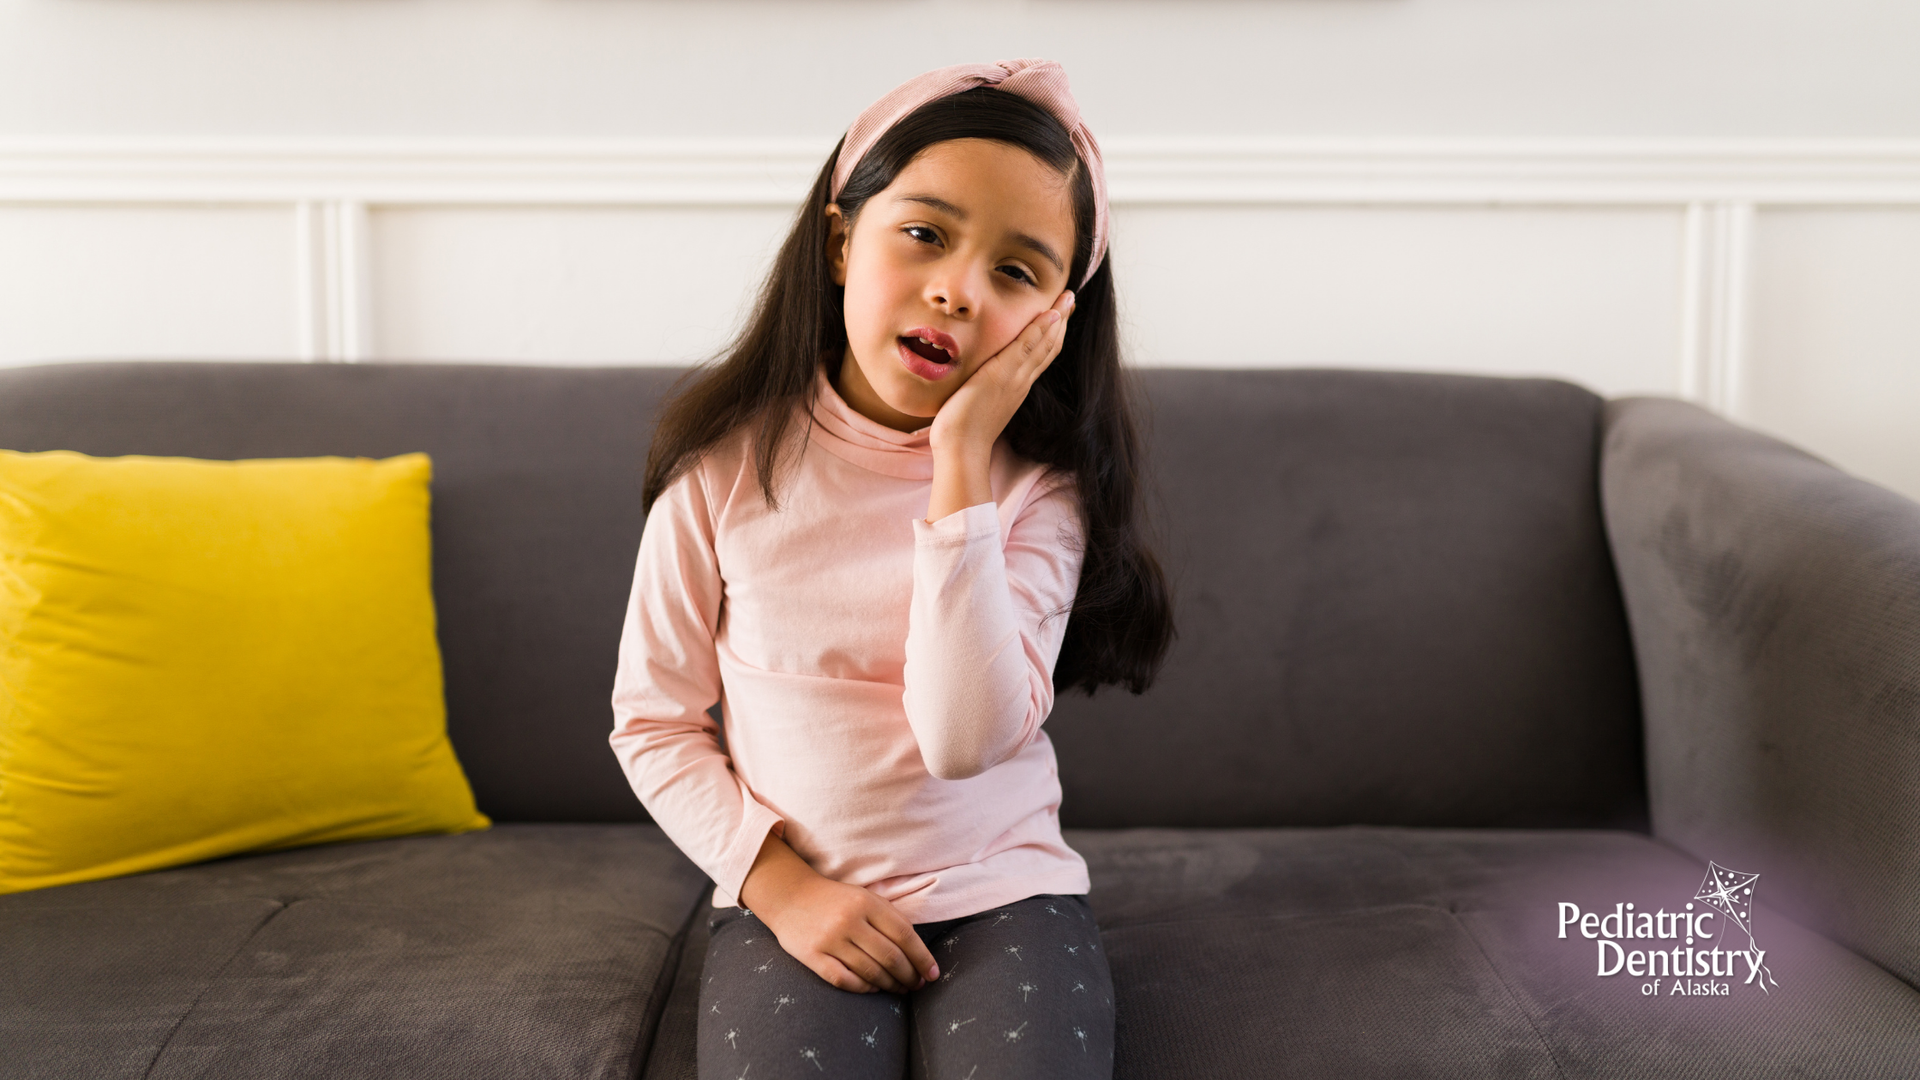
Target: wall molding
(1714,273)
(331,187)
(332,263)
(1140,171)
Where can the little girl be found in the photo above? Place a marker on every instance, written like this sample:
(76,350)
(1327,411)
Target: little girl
(934,359)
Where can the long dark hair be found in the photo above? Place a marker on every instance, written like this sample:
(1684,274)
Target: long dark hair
(1078,415)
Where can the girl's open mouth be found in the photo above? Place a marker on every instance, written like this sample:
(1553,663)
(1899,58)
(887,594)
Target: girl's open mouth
(926,353)
(926,350)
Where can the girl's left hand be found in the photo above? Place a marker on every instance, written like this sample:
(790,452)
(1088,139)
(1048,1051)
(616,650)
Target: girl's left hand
(978,412)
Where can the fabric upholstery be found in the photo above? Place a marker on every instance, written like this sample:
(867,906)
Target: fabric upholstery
(1395,605)
(1357,952)
(1775,604)
(525,951)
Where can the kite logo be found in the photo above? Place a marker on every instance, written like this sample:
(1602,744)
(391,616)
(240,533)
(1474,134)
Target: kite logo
(1731,892)
(1723,895)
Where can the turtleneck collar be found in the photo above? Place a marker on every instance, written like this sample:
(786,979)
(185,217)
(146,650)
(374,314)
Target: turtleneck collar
(846,433)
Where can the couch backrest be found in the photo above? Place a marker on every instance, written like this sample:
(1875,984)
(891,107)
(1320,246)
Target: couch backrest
(1396,605)
(1394,597)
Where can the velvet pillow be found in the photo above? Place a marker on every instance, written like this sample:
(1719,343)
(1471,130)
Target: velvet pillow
(202,658)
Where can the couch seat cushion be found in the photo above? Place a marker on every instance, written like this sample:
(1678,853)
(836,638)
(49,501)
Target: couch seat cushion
(1394,952)
(525,951)
(1361,951)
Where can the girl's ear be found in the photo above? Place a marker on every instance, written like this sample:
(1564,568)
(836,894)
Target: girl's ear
(838,238)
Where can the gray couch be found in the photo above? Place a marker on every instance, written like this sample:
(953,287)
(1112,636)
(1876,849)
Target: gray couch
(1453,652)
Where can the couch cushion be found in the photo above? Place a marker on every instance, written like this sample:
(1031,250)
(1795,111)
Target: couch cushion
(536,519)
(525,951)
(1361,952)
(1396,606)
(1368,951)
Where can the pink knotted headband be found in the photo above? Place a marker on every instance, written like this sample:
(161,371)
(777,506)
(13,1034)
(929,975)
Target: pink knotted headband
(1042,82)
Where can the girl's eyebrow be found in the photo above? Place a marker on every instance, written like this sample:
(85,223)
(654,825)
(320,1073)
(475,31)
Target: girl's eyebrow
(1039,246)
(937,203)
(1031,243)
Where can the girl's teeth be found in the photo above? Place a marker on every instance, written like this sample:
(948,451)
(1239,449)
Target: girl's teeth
(939,354)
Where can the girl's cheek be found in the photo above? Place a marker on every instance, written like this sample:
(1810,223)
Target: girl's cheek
(1006,333)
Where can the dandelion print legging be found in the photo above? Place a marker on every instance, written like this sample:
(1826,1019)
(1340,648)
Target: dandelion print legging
(1024,994)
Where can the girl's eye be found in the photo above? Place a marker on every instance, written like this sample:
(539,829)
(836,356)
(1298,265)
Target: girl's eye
(927,236)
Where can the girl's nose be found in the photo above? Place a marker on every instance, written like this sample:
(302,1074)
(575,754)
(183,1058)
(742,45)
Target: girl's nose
(954,292)
(951,300)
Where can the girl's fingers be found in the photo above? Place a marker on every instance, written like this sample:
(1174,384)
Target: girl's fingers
(918,956)
(1034,339)
(1045,350)
(1057,333)
(922,958)
(836,974)
(889,956)
(1028,354)
(870,971)
(1039,342)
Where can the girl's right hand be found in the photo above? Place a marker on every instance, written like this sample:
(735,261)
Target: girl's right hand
(846,935)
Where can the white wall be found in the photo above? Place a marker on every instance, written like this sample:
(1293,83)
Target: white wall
(1713,199)
(802,68)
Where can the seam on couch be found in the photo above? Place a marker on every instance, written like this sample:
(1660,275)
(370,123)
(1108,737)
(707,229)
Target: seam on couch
(1642,822)
(1868,960)
(160,1051)
(663,985)
(1507,989)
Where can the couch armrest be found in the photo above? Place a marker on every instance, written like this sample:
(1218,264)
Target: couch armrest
(1775,607)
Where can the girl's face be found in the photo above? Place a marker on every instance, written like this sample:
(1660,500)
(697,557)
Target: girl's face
(967,246)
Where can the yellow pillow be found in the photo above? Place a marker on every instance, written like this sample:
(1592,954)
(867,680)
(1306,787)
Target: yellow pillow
(200,658)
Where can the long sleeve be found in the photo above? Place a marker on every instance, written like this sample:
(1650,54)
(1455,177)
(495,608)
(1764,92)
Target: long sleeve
(668,675)
(980,645)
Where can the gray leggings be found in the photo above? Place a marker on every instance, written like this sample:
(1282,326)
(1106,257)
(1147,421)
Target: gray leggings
(1024,994)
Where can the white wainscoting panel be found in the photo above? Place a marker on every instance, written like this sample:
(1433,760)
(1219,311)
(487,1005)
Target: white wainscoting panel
(584,285)
(84,282)
(1834,361)
(1590,294)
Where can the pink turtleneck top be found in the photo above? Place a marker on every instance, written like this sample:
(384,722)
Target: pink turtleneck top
(882,680)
